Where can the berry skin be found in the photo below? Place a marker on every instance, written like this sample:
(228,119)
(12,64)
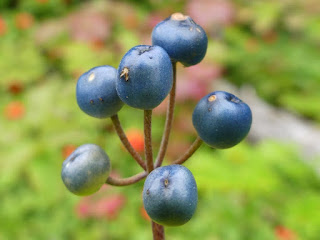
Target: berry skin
(221,119)
(86,170)
(170,195)
(183,39)
(145,77)
(96,92)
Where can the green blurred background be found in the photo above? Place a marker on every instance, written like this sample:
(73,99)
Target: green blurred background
(262,190)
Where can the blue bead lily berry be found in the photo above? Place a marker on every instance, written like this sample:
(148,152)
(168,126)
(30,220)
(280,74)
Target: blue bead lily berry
(221,119)
(96,92)
(145,77)
(86,170)
(183,39)
(170,195)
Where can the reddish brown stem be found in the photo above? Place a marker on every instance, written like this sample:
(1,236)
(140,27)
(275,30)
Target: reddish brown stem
(169,119)
(125,141)
(194,147)
(126,181)
(148,139)
(157,231)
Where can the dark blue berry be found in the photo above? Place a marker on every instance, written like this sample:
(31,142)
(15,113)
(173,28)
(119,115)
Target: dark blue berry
(170,195)
(221,119)
(86,169)
(96,92)
(144,77)
(183,39)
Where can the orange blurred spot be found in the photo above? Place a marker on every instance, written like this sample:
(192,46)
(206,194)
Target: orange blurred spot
(24,20)
(67,150)
(136,139)
(131,21)
(144,214)
(3,26)
(283,233)
(97,45)
(14,110)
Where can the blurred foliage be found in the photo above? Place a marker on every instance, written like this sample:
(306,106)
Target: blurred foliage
(247,192)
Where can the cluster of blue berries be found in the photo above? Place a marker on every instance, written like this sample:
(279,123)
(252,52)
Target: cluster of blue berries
(144,78)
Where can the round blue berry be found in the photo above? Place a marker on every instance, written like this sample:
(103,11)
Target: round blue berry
(170,195)
(221,119)
(86,169)
(96,92)
(183,39)
(145,77)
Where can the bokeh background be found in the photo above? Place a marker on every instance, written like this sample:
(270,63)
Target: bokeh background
(268,52)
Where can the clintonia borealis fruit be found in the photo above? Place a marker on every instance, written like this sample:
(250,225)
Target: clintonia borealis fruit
(170,195)
(86,169)
(96,92)
(183,39)
(145,77)
(221,119)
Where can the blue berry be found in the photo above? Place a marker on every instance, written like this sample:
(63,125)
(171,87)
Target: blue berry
(86,170)
(145,77)
(96,92)
(221,119)
(170,195)
(183,39)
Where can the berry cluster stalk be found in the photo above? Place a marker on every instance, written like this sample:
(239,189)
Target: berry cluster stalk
(148,165)
(169,119)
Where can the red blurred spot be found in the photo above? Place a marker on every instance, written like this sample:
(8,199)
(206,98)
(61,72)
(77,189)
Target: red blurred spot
(144,214)
(210,13)
(24,21)
(283,233)
(67,150)
(83,208)
(108,207)
(89,26)
(3,26)
(14,110)
(136,138)
(154,19)
(193,82)
(15,88)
